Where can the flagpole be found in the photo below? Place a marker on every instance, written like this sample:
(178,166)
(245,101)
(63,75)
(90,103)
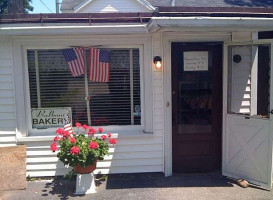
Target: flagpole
(86,90)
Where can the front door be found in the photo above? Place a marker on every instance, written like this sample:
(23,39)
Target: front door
(196,106)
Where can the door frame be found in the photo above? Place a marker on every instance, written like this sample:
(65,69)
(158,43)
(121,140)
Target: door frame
(167,39)
(225,103)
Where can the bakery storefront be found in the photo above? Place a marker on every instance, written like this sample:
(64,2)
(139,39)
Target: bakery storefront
(180,94)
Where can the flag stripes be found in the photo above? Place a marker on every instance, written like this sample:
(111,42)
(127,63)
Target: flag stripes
(99,65)
(68,125)
(75,60)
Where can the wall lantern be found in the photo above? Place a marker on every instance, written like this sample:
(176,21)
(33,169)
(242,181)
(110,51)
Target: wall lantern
(158,63)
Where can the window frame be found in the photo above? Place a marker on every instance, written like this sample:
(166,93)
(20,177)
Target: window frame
(116,128)
(253,76)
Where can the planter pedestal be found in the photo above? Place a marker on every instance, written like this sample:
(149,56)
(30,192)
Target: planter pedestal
(85,184)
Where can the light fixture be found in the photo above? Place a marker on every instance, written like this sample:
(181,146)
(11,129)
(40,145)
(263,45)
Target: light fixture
(237,58)
(158,63)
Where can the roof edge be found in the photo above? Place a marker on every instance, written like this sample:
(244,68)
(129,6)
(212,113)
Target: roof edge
(255,10)
(136,17)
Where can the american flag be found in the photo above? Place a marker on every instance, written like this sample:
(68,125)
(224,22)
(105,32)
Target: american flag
(75,60)
(68,126)
(99,65)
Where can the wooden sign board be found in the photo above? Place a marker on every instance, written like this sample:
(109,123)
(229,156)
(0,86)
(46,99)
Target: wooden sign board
(196,61)
(50,117)
(13,168)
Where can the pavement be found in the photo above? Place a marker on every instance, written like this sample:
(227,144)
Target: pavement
(150,186)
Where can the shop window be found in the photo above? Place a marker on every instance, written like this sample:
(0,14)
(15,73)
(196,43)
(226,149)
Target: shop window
(116,102)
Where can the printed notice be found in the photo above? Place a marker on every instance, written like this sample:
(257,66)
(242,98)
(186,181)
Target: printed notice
(196,61)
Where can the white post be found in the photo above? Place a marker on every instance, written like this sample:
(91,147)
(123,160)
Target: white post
(132,86)
(85,184)
(254,77)
(254,81)
(37,78)
(86,90)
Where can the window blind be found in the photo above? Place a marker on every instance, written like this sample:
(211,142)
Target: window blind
(51,85)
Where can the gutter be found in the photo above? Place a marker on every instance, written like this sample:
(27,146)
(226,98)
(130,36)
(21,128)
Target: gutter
(212,23)
(73,29)
(155,24)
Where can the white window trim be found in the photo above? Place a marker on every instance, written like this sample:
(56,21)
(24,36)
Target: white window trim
(50,131)
(22,93)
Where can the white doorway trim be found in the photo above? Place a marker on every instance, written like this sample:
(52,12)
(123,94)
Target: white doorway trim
(167,39)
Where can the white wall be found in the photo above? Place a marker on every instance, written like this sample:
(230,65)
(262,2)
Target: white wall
(158,119)
(131,155)
(240,80)
(7,108)
(98,6)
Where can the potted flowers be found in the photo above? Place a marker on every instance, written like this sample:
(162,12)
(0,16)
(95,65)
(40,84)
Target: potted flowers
(82,149)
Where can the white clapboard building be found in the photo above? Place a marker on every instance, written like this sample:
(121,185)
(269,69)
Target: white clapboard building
(189,86)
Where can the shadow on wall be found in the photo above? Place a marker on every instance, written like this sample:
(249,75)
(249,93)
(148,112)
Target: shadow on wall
(250,3)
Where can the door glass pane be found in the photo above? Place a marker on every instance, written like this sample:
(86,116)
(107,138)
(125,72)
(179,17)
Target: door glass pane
(195,97)
(249,80)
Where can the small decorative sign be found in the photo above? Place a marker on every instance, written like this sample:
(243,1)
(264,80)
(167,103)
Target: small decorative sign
(196,61)
(50,117)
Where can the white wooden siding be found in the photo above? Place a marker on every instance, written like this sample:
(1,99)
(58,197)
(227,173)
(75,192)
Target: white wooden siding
(7,109)
(130,155)
(240,83)
(100,6)
(158,118)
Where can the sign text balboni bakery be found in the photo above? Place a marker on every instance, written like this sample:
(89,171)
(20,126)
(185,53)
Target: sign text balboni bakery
(50,117)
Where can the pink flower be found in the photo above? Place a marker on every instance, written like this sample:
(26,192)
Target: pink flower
(100,129)
(78,125)
(53,147)
(92,131)
(112,141)
(104,137)
(59,131)
(66,134)
(109,135)
(75,150)
(73,140)
(93,145)
(85,126)
(56,139)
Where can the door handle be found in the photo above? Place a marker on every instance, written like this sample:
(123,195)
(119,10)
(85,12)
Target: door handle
(271,112)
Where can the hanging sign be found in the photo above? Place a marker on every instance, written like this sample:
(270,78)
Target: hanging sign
(50,117)
(196,61)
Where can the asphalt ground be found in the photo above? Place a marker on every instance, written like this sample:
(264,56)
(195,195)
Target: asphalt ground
(150,186)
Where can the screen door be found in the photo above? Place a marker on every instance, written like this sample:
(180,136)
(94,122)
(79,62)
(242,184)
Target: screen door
(247,141)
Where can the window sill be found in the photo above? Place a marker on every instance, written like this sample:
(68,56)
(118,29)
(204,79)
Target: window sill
(117,132)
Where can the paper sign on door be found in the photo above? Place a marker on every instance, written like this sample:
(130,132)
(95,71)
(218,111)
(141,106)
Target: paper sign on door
(196,61)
